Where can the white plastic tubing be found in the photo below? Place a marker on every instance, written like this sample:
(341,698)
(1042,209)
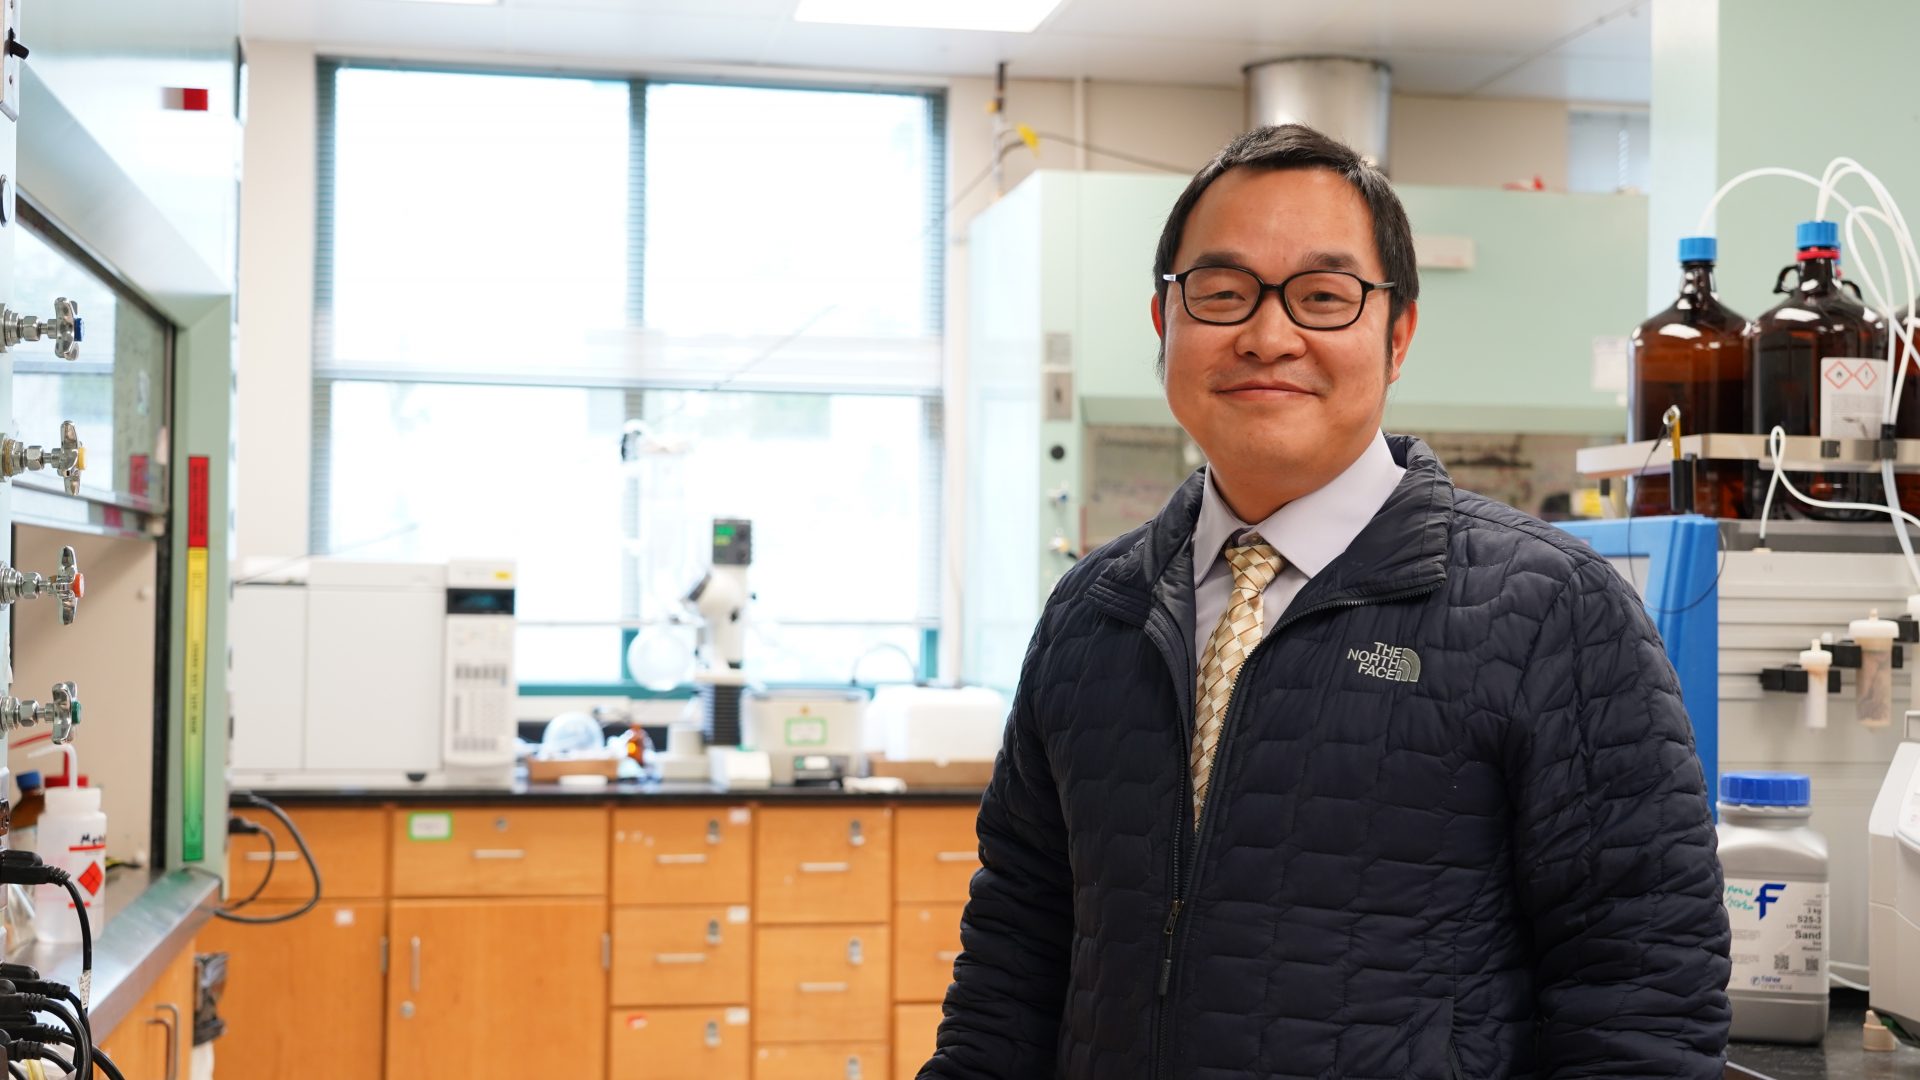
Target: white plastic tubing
(1873,276)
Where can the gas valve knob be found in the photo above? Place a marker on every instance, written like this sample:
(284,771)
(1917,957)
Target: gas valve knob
(61,715)
(67,583)
(66,328)
(69,459)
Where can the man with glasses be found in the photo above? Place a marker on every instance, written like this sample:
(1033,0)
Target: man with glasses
(1333,770)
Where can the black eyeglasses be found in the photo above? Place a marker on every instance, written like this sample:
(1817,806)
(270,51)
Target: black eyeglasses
(1313,299)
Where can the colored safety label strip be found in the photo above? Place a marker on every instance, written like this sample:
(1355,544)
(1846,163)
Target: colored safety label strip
(193,761)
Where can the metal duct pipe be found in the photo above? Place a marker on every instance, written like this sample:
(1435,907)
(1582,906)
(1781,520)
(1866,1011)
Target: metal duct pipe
(1345,97)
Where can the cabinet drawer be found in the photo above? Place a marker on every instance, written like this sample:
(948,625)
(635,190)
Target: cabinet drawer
(481,851)
(681,955)
(826,865)
(936,852)
(349,846)
(926,942)
(916,1032)
(820,982)
(690,855)
(679,1044)
(821,1061)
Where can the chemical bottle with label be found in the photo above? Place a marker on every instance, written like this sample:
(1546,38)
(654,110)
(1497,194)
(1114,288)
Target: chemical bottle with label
(1694,355)
(1776,894)
(1820,368)
(73,837)
(1906,419)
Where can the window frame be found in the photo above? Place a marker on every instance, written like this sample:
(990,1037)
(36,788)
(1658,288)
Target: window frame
(328,68)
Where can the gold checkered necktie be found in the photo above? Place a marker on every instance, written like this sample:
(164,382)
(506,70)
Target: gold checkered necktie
(1239,630)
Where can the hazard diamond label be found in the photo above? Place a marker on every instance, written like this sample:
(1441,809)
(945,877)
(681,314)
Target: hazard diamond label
(92,879)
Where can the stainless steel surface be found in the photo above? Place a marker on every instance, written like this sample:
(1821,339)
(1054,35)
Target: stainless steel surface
(1804,453)
(1345,97)
(150,917)
(67,461)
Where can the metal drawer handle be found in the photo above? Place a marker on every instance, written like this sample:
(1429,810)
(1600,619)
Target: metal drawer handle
(272,856)
(499,853)
(413,978)
(948,955)
(680,958)
(825,867)
(678,860)
(956,856)
(173,1036)
(823,988)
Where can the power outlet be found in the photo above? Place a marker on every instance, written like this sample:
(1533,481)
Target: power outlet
(10,57)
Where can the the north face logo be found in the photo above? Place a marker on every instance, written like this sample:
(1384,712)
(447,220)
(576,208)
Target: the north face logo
(1391,662)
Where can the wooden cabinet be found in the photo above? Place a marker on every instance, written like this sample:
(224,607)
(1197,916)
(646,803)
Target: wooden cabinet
(821,1061)
(824,865)
(489,989)
(679,1044)
(916,1031)
(815,983)
(349,846)
(155,1039)
(683,855)
(493,851)
(314,981)
(681,955)
(926,942)
(935,853)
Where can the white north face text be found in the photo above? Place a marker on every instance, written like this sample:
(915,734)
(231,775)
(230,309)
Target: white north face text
(1391,662)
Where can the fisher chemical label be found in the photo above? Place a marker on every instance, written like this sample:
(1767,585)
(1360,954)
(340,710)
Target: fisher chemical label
(1779,935)
(1853,393)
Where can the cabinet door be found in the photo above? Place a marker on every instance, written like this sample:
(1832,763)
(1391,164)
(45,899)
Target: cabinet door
(681,955)
(315,981)
(679,1044)
(824,865)
(821,1061)
(916,1032)
(926,942)
(349,844)
(935,853)
(158,1026)
(683,855)
(812,983)
(486,989)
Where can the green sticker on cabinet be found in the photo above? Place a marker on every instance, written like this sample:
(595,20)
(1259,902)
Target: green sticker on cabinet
(432,826)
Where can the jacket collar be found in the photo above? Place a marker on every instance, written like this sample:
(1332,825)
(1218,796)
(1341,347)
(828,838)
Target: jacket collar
(1403,547)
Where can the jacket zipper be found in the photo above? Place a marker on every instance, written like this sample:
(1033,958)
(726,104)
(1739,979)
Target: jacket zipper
(1183,884)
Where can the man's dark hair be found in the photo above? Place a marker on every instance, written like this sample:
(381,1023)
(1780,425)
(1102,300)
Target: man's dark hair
(1297,146)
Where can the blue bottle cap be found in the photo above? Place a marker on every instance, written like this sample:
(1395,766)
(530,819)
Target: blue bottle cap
(1816,234)
(1699,249)
(1766,789)
(30,778)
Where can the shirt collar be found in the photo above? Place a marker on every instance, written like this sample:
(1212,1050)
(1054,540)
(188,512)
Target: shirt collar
(1312,530)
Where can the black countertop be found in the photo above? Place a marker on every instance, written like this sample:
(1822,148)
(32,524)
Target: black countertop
(622,791)
(1839,1058)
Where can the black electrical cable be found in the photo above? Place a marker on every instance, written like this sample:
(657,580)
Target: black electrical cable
(106,1064)
(83,1059)
(44,1053)
(14,1070)
(1718,534)
(86,936)
(273,858)
(248,798)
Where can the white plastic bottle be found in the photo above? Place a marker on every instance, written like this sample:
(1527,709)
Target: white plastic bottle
(1776,894)
(73,837)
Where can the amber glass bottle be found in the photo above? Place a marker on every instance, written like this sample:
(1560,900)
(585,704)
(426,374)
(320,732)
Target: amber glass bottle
(1906,421)
(1694,355)
(1820,368)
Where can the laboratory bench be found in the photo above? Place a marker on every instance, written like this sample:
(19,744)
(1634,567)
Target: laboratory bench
(1838,1058)
(668,931)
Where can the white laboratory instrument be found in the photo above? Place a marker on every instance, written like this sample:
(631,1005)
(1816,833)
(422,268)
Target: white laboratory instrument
(810,736)
(365,674)
(1893,891)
